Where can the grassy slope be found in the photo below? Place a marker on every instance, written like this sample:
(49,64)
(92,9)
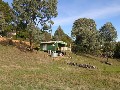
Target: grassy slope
(28,71)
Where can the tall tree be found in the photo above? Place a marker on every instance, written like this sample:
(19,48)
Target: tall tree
(85,34)
(2,22)
(6,17)
(34,12)
(6,10)
(108,35)
(59,35)
(47,36)
(108,32)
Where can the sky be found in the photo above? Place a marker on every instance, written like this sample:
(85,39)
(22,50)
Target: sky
(102,11)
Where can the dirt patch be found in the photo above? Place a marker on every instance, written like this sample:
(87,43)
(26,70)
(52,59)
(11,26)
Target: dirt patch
(21,45)
(11,67)
(2,39)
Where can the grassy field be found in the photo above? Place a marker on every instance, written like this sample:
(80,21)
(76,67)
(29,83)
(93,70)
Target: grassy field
(37,71)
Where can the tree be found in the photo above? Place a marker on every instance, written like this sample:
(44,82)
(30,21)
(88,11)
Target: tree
(34,12)
(21,31)
(43,36)
(59,35)
(47,36)
(108,35)
(2,22)
(68,40)
(7,11)
(108,32)
(6,17)
(85,34)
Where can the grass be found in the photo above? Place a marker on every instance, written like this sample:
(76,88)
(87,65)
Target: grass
(37,71)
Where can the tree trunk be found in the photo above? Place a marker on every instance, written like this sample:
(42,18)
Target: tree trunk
(107,58)
(31,41)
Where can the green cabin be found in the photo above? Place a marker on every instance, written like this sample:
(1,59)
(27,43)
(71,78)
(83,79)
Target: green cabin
(52,45)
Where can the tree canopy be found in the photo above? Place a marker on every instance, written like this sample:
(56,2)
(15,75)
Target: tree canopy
(34,12)
(108,35)
(108,32)
(6,10)
(59,35)
(85,33)
(6,17)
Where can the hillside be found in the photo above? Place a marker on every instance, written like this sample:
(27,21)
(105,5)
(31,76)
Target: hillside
(34,71)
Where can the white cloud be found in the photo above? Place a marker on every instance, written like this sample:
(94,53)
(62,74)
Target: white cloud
(100,13)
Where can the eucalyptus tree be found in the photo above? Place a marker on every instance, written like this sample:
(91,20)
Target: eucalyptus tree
(33,13)
(2,22)
(85,34)
(108,35)
(108,32)
(6,10)
(6,17)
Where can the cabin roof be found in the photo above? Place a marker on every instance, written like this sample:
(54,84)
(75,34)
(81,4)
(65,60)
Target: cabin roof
(50,42)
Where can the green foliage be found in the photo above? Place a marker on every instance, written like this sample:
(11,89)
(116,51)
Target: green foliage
(117,50)
(34,12)
(86,35)
(68,40)
(6,17)
(108,32)
(46,36)
(7,11)
(59,35)
(2,21)
(22,34)
(39,35)
(108,35)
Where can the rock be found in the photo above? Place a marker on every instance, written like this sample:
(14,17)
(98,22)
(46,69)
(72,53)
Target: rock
(81,65)
(108,63)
